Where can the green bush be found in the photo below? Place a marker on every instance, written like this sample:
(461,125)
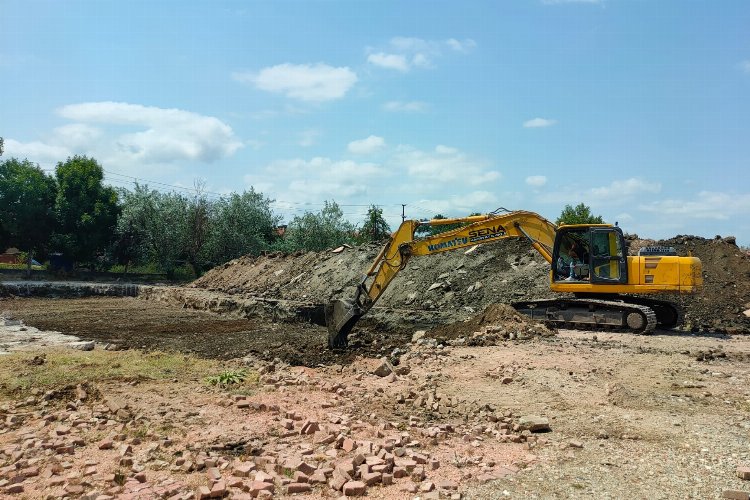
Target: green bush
(227,378)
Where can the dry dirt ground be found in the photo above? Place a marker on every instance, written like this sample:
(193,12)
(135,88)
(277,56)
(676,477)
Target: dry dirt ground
(660,416)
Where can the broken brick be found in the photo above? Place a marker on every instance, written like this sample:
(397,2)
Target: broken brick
(354,488)
(298,488)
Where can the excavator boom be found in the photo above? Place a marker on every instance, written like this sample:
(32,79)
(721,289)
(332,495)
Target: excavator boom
(342,315)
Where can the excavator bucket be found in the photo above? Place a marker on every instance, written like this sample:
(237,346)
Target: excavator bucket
(341,316)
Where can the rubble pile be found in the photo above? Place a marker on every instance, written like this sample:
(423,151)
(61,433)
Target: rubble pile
(449,286)
(496,324)
(303,431)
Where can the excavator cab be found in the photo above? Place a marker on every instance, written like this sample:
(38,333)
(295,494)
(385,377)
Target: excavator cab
(590,254)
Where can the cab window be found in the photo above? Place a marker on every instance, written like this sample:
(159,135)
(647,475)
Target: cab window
(607,255)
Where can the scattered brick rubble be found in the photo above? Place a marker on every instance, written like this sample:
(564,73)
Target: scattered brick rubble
(76,443)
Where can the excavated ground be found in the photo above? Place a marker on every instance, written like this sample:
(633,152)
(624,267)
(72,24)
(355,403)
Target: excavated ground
(130,323)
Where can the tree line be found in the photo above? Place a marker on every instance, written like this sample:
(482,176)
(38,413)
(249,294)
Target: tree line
(73,213)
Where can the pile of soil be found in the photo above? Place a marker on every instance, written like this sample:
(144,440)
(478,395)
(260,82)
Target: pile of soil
(451,285)
(454,285)
(498,322)
(726,282)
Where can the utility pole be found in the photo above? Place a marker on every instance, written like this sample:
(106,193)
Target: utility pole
(403,212)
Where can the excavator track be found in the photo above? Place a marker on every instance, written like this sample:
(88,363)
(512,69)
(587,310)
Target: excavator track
(667,314)
(591,314)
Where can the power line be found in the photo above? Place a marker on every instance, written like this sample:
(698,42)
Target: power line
(306,203)
(299,204)
(194,190)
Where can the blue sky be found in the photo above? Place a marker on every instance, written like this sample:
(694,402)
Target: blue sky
(640,109)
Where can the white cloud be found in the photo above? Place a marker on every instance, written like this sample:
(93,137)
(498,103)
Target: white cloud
(46,155)
(404,53)
(461,45)
(536,180)
(390,61)
(308,138)
(421,61)
(624,217)
(442,173)
(445,150)
(745,66)
(539,122)
(620,189)
(369,145)
(615,194)
(78,135)
(413,44)
(707,205)
(131,137)
(459,205)
(166,135)
(405,107)
(323,178)
(306,82)
(258,183)
(446,166)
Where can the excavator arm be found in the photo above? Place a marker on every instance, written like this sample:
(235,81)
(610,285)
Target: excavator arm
(342,315)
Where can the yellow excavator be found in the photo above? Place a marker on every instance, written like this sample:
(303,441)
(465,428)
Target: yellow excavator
(588,260)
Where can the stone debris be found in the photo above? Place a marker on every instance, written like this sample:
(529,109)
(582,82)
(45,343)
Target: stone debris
(534,423)
(354,488)
(82,345)
(384,368)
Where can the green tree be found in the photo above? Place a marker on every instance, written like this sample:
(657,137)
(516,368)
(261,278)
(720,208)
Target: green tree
(580,214)
(153,226)
(27,201)
(198,228)
(375,227)
(318,231)
(86,210)
(241,224)
(130,244)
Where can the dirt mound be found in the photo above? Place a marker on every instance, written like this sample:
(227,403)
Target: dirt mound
(726,282)
(452,286)
(496,323)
